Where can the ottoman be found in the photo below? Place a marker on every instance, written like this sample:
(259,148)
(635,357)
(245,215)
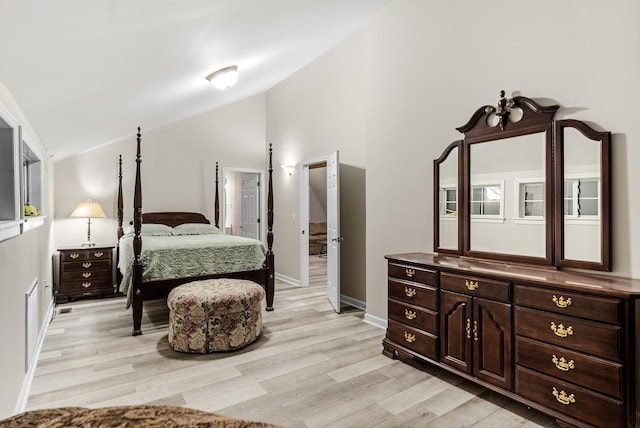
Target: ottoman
(212,315)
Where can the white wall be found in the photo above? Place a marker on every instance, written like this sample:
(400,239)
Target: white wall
(23,259)
(318,110)
(178,169)
(430,65)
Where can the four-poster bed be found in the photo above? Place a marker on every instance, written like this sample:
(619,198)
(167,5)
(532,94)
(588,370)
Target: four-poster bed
(188,236)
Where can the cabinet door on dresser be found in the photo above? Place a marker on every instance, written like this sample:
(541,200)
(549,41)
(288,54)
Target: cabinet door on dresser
(476,327)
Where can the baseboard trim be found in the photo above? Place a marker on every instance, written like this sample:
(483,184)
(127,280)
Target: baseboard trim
(376,321)
(287,279)
(23,398)
(353,302)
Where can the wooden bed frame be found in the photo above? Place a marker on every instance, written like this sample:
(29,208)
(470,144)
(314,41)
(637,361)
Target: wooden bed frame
(157,289)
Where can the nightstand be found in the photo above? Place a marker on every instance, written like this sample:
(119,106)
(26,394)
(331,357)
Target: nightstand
(85,271)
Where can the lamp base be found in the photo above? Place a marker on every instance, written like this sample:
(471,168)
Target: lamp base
(88,244)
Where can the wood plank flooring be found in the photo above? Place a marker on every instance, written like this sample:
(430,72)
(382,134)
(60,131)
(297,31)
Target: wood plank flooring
(310,368)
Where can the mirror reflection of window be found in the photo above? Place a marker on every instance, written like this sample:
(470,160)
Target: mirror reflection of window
(581,198)
(486,200)
(531,200)
(449,202)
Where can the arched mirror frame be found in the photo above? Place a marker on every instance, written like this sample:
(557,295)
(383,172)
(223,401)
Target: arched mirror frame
(604,139)
(534,119)
(456,145)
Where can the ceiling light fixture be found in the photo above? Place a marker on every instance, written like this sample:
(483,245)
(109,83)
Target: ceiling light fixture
(224,78)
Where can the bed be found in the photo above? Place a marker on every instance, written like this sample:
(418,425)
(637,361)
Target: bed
(181,247)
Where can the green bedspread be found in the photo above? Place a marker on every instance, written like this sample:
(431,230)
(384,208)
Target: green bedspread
(182,256)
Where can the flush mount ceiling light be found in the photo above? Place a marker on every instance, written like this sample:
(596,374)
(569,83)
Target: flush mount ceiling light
(224,78)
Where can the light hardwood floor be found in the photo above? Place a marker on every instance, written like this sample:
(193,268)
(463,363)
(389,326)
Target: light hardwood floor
(310,368)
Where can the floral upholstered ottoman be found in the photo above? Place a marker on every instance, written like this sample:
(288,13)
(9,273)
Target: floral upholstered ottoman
(214,315)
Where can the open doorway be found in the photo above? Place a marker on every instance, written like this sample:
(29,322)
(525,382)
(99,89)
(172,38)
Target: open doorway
(242,199)
(320,225)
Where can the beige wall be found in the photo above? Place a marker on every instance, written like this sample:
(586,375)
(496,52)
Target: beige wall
(178,168)
(318,110)
(430,65)
(23,259)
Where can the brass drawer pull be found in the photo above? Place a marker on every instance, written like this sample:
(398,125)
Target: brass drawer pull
(475,331)
(410,272)
(410,314)
(74,256)
(86,265)
(410,292)
(409,337)
(560,331)
(562,364)
(562,397)
(86,274)
(471,285)
(98,254)
(561,302)
(468,329)
(86,284)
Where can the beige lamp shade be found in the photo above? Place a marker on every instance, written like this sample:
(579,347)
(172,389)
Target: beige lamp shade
(88,210)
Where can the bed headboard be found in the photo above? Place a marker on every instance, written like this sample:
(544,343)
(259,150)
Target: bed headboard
(173,219)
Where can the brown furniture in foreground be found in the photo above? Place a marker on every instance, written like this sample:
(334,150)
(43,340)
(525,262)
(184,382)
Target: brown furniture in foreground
(520,197)
(563,343)
(156,289)
(85,272)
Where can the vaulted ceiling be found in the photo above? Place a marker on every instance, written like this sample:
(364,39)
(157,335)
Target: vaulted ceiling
(88,72)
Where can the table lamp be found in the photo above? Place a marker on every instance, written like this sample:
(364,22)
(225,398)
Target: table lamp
(88,210)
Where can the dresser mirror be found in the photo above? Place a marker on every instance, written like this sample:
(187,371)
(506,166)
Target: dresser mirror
(447,170)
(582,169)
(527,188)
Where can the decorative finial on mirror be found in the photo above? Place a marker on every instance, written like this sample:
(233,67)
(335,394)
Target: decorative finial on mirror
(502,109)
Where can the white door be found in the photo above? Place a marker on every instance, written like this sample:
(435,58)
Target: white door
(333,231)
(250,206)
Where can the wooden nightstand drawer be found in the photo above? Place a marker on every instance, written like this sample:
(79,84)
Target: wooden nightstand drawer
(414,316)
(417,340)
(88,265)
(415,274)
(474,286)
(567,303)
(569,399)
(413,293)
(77,275)
(570,366)
(594,338)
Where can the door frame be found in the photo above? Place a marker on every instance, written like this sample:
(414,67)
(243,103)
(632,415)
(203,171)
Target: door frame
(262,197)
(303,225)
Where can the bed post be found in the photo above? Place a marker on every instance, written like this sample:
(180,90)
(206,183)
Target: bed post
(270,280)
(137,246)
(120,203)
(216,216)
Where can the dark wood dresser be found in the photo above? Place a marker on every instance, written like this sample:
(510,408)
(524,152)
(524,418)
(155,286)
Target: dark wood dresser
(564,343)
(86,271)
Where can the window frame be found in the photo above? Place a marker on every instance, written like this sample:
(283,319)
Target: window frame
(490,218)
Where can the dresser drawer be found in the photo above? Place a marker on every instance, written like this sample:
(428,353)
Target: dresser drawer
(594,338)
(415,274)
(87,265)
(414,316)
(418,341)
(567,303)
(473,286)
(413,293)
(83,275)
(591,372)
(569,399)
(93,287)
(85,254)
